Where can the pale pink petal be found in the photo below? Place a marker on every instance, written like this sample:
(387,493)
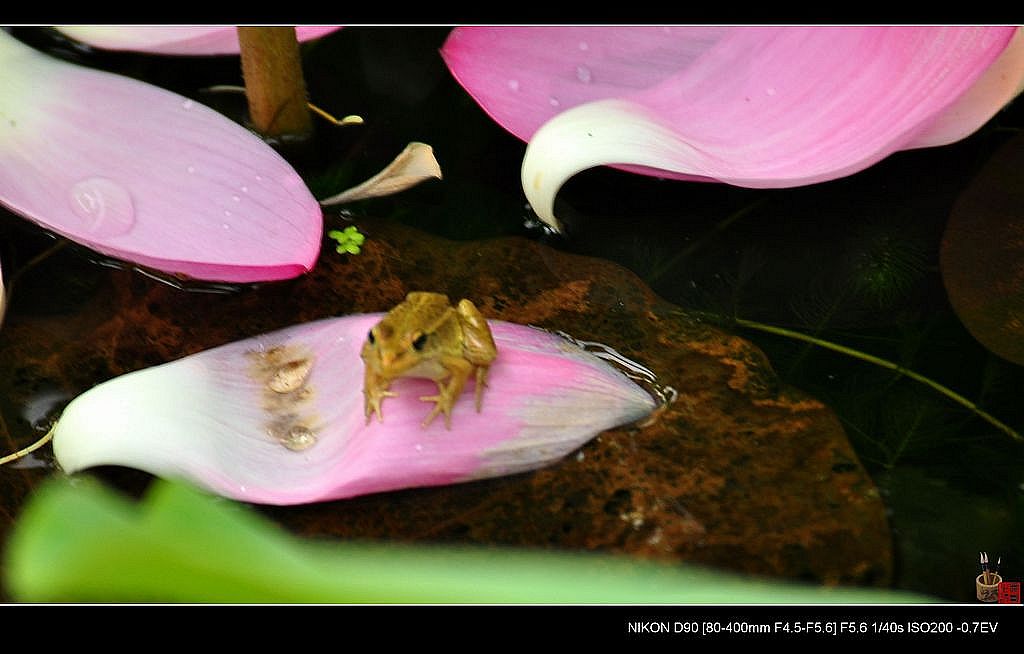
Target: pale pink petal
(1001,83)
(279,418)
(143,174)
(758,107)
(174,39)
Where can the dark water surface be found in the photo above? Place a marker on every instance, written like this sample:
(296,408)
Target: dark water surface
(854,261)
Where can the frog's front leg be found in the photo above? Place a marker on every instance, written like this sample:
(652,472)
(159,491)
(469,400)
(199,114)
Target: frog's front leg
(447,394)
(375,389)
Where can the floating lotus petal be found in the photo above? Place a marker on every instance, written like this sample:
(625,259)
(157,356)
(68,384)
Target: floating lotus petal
(174,39)
(143,174)
(756,107)
(279,418)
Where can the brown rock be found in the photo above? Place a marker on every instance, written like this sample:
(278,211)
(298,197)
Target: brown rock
(738,472)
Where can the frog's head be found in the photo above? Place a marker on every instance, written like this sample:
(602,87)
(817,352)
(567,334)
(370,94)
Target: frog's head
(396,351)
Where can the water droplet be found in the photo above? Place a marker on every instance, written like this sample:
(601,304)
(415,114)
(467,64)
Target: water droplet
(419,448)
(583,74)
(245,189)
(236,198)
(584,46)
(770,90)
(104,205)
(290,376)
(259,178)
(227,213)
(513,85)
(225,226)
(187,104)
(191,169)
(553,101)
(299,438)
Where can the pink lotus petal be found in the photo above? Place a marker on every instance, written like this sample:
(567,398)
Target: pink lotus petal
(174,39)
(143,174)
(214,419)
(757,107)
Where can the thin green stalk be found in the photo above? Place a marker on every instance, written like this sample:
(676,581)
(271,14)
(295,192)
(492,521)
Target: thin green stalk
(863,356)
(31,448)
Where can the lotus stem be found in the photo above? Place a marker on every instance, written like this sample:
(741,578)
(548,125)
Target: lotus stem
(274,85)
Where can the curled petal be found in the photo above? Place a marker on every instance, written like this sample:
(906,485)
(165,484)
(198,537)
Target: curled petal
(174,39)
(279,418)
(143,174)
(604,132)
(758,107)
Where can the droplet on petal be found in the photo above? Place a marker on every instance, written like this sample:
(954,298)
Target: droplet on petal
(104,206)
(279,418)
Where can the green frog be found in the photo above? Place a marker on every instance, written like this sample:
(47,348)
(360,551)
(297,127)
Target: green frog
(425,336)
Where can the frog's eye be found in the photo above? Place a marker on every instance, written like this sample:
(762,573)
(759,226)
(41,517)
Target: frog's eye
(420,341)
(371,338)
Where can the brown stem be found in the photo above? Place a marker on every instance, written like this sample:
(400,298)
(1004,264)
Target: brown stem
(274,84)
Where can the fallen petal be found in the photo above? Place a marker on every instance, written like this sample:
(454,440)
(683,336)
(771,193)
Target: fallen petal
(143,174)
(414,164)
(757,107)
(174,39)
(278,419)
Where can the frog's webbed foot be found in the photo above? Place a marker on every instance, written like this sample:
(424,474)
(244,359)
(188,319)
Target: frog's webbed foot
(372,405)
(443,404)
(447,394)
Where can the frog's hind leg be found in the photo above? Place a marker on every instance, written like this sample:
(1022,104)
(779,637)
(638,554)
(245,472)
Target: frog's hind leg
(481,384)
(448,394)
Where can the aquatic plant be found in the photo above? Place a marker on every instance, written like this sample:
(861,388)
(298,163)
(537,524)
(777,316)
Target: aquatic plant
(349,239)
(758,107)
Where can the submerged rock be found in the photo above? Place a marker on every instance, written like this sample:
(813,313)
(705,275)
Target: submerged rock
(739,472)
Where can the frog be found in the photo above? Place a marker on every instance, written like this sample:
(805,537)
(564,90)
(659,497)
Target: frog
(425,336)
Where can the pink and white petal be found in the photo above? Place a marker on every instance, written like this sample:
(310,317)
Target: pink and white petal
(599,133)
(142,174)
(771,107)
(278,419)
(174,39)
(1001,83)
